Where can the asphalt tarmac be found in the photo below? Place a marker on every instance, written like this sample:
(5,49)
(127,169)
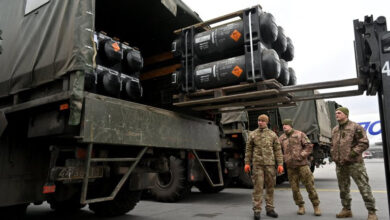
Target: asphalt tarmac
(235,203)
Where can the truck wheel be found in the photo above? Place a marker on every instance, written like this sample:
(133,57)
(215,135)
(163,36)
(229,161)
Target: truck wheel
(172,186)
(280,179)
(123,202)
(16,212)
(245,179)
(205,187)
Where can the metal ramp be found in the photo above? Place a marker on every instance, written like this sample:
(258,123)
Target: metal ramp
(90,160)
(203,161)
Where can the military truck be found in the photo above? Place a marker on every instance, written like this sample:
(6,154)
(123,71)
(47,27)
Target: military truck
(77,127)
(71,146)
(72,104)
(314,117)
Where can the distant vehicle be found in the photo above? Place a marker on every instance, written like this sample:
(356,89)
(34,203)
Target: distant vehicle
(376,149)
(367,154)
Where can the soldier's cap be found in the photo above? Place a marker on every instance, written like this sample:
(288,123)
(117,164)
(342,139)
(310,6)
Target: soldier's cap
(287,121)
(343,110)
(263,118)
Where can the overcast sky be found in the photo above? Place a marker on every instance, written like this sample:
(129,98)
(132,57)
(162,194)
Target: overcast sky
(322,34)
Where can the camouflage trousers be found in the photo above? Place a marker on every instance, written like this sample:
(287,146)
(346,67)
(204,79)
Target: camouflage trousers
(302,174)
(359,174)
(263,176)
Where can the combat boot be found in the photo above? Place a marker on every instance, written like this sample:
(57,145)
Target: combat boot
(345,213)
(272,214)
(317,211)
(256,216)
(372,215)
(301,210)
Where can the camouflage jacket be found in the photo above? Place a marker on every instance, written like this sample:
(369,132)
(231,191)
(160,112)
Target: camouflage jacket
(296,148)
(346,138)
(263,148)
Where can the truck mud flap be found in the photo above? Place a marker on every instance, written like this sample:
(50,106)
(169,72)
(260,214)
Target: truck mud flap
(84,190)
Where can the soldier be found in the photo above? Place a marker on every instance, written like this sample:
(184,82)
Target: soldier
(262,149)
(296,150)
(349,141)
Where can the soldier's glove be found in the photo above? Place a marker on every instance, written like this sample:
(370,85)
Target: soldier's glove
(280,169)
(247,168)
(353,154)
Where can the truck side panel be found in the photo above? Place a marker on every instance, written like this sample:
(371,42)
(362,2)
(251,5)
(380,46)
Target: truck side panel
(113,121)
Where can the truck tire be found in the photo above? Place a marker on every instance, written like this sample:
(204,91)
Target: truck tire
(172,186)
(124,201)
(205,187)
(280,179)
(15,212)
(245,179)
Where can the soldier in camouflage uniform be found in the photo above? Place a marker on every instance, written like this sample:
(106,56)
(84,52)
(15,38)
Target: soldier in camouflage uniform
(349,140)
(296,150)
(263,152)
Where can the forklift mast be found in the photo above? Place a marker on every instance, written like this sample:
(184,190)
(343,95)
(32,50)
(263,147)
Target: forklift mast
(372,53)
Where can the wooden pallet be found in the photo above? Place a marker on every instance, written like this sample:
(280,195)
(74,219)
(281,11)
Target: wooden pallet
(264,94)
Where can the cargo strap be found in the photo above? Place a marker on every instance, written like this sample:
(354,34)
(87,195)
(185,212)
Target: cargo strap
(135,161)
(217,161)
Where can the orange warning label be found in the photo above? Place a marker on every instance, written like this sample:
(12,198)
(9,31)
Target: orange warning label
(235,35)
(237,71)
(115,46)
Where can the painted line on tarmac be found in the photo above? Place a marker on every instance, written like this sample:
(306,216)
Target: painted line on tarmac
(332,190)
